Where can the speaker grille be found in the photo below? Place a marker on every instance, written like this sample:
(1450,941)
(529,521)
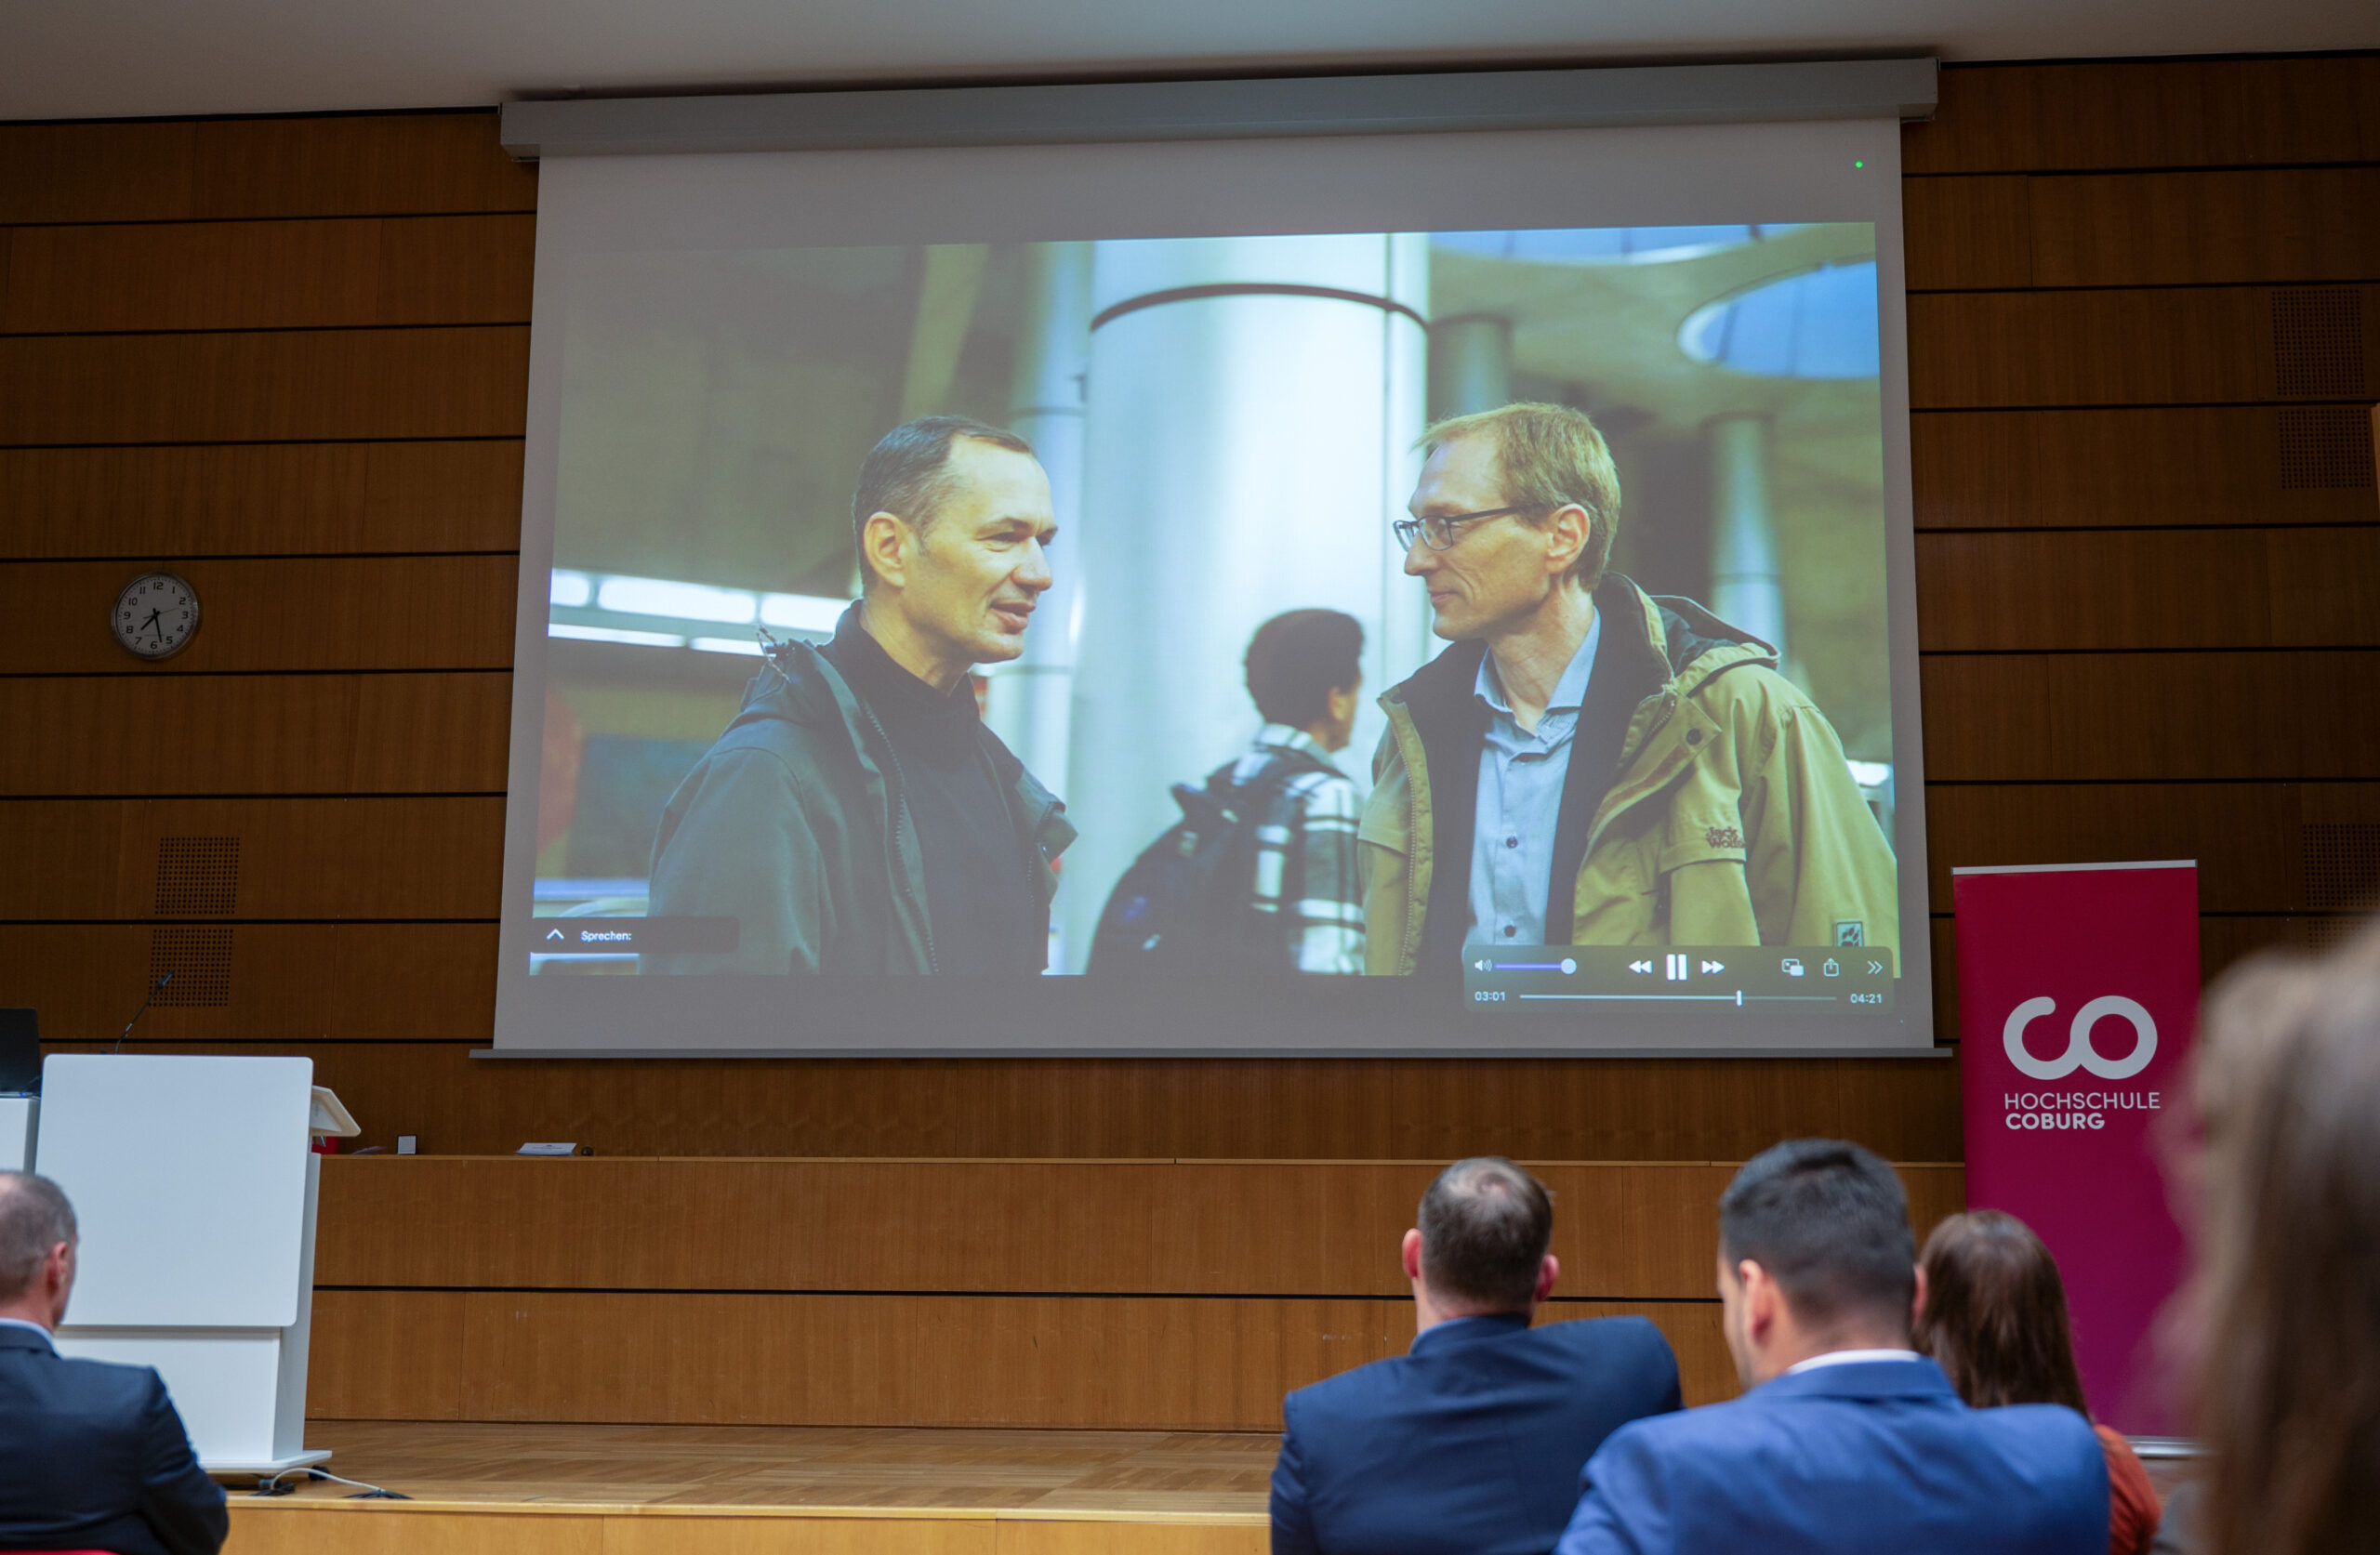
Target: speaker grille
(2318,340)
(2342,864)
(200,957)
(2325,447)
(197,877)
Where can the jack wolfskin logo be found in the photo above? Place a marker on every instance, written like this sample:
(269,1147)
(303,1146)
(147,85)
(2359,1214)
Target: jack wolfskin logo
(1850,931)
(1723,837)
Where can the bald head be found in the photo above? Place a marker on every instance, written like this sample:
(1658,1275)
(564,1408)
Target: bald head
(1485,1226)
(35,1219)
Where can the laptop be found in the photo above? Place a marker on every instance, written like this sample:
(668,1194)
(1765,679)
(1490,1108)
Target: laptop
(19,1052)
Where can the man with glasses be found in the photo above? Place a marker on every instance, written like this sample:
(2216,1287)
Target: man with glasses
(1589,764)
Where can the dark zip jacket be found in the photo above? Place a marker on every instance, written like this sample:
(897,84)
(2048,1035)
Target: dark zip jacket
(794,825)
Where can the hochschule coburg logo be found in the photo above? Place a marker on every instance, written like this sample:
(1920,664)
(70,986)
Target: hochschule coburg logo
(2084,1110)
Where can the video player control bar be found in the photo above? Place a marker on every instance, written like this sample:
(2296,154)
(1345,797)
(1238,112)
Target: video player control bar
(1773,978)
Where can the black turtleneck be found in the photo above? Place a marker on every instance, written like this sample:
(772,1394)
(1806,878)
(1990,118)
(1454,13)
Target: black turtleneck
(980,895)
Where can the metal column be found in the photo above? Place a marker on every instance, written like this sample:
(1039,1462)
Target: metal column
(1747,587)
(1252,407)
(1030,699)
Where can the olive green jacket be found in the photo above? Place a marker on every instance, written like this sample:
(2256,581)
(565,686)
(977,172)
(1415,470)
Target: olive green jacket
(1730,819)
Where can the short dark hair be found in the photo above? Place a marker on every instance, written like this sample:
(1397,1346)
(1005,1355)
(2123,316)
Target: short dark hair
(905,474)
(1995,1313)
(35,1217)
(1830,1223)
(1485,1227)
(1297,659)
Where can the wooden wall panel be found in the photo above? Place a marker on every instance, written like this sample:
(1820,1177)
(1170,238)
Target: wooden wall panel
(101,172)
(310,987)
(2245,837)
(2294,224)
(1966,232)
(2153,467)
(2042,718)
(299,1528)
(270,274)
(1623,1231)
(1983,349)
(306,613)
(2048,117)
(2325,587)
(181,170)
(264,386)
(387,1355)
(379,858)
(399,1052)
(1126,1363)
(437,733)
(2205,588)
(274,499)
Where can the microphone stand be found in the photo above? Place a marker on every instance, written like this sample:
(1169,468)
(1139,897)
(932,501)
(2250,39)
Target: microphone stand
(154,989)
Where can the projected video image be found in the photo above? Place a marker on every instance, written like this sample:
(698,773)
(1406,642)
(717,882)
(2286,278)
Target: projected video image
(1502,607)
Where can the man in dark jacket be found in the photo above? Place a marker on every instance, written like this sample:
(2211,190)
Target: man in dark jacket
(857,816)
(92,1457)
(1473,1440)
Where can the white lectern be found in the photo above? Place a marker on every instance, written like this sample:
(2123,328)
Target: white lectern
(16,1117)
(194,1184)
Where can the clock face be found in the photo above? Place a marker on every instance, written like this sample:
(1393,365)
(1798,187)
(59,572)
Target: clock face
(155,615)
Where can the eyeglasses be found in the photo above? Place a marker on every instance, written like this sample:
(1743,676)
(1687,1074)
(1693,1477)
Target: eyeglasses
(1437,532)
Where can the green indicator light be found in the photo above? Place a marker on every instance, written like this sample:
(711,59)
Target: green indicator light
(1858,165)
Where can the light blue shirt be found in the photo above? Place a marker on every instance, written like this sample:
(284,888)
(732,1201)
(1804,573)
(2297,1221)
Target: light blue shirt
(1520,798)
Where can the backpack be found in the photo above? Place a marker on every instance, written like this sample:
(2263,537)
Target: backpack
(1188,901)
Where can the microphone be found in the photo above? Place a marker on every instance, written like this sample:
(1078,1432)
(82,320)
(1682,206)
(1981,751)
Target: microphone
(154,989)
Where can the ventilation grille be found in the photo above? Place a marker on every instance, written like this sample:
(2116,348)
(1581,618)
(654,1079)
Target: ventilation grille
(2325,447)
(197,877)
(200,957)
(2342,862)
(2324,935)
(2318,340)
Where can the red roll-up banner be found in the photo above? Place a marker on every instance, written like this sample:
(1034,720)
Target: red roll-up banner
(2078,1003)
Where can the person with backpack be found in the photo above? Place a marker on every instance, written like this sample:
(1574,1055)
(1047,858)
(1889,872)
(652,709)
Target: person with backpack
(1259,875)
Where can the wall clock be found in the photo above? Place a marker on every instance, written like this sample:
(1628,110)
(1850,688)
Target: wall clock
(155,617)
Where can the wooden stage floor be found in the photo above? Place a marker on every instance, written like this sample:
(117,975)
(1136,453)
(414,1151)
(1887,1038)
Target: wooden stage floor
(625,1490)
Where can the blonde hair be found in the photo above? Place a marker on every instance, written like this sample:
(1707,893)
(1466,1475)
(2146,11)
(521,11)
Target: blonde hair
(1548,457)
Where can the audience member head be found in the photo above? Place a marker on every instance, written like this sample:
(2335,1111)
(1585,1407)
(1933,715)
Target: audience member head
(1815,1255)
(1995,1313)
(1480,1248)
(2286,1301)
(37,1240)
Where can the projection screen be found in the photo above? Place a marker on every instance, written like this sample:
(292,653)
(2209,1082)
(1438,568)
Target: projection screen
(1049,789)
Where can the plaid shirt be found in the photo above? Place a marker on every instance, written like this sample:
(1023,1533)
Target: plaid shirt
(1305,852)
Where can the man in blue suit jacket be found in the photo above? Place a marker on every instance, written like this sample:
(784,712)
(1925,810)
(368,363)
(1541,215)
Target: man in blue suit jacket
(1847,1442)
(92,1457)
(1471,1442)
